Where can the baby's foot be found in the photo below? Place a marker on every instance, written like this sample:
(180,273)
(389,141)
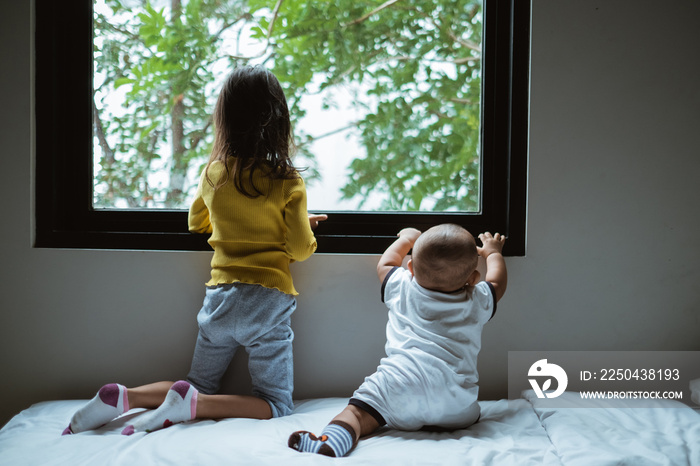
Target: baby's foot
(335,440)
(180,405)
(110,402)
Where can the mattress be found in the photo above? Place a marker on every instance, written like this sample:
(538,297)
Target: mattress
(510,432)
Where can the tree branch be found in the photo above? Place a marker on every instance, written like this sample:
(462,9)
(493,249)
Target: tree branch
(107,151)
(271,26)
(217,36)
(456,61)
(200,135)
(373,12)
(268,35)
(465,43)
(460,61)
(431,20)
(330,133)
(462,101)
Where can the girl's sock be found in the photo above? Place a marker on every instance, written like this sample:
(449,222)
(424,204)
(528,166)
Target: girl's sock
(110,402)
(337,439)
(180,405)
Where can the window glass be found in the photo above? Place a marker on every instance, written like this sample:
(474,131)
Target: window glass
(384,97)
(398,84)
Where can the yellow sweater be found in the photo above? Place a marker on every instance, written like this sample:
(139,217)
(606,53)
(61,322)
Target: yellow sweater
(254,239)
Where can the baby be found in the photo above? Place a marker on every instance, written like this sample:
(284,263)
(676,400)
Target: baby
(437,309)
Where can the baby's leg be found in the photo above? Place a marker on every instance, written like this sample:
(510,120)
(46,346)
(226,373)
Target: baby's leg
(339,437)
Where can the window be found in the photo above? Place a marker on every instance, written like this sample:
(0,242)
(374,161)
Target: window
(66,217)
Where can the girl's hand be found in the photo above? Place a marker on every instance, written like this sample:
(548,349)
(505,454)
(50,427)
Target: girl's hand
(491,244)
(314,219)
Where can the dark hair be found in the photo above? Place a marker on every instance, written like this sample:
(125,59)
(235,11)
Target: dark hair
(252,129)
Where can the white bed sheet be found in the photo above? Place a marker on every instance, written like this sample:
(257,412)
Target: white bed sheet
(509,433)
(515,432)
(620,432)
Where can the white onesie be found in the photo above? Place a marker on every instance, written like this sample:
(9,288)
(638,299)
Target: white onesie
(429,376)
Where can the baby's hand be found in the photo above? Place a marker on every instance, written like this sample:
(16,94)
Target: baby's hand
(410,234)
(490,244)
(315,218)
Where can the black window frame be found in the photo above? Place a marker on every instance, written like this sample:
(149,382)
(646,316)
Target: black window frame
(65,217)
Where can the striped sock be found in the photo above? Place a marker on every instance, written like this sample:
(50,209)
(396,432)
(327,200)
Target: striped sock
(110,402)
(337,439)
(180,405)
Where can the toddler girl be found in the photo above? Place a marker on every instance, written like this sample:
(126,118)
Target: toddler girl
(252,201)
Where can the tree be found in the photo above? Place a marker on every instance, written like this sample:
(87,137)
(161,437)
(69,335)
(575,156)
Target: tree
(165,67)
(414,68)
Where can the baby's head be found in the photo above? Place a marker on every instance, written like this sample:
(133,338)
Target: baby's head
(445,258)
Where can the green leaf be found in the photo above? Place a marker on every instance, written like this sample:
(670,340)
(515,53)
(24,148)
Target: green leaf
(119,82)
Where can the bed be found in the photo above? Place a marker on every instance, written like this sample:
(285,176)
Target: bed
(517,432)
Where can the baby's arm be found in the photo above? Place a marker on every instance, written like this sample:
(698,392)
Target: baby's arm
(394,254)
(496,272)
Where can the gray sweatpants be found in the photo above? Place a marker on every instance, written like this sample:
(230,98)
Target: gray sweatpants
(258,319)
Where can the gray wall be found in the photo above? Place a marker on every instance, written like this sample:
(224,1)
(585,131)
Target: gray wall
(611,259)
